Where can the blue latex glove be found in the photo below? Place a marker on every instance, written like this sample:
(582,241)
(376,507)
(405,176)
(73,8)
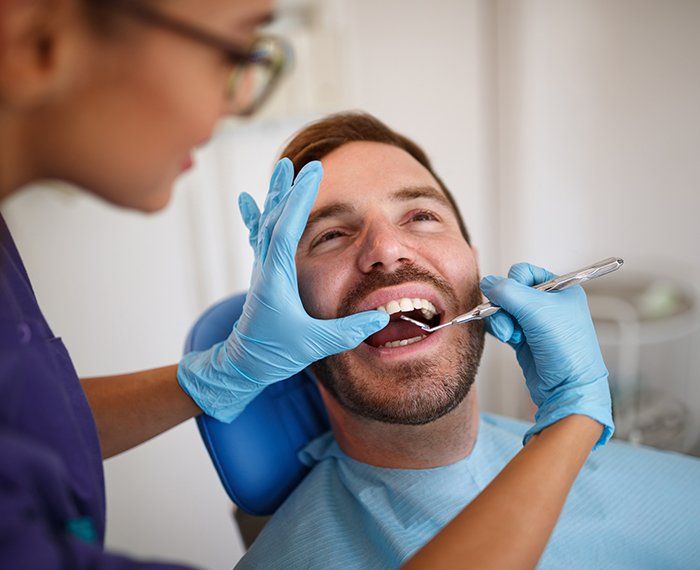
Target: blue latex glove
(274,338)
(556,347)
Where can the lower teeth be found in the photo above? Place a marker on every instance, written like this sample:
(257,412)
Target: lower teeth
(404,342)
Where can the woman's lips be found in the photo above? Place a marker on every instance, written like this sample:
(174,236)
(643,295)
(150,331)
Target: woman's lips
(187,164)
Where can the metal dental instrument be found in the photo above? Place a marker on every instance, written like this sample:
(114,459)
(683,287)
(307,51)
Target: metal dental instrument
(557,284)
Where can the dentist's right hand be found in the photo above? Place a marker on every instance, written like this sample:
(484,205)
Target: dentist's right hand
(274,338)
(555,344)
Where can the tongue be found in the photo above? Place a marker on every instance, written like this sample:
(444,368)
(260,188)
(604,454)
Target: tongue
(395,330)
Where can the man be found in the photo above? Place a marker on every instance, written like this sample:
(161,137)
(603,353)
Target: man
(408,448)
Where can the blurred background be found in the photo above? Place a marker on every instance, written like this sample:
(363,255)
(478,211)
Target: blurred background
(567,130)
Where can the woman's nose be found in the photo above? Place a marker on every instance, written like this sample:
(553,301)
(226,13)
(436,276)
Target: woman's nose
(383,249)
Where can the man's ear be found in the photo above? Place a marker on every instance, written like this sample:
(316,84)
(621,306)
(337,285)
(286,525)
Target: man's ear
(35,49)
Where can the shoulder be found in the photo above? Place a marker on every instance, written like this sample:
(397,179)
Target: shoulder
(304,521)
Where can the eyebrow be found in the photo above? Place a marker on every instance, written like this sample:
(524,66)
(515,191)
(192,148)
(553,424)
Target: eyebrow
(415,192)
(402,195)
(330,211)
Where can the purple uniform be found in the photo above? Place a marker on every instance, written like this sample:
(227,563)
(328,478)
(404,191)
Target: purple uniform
(52,497)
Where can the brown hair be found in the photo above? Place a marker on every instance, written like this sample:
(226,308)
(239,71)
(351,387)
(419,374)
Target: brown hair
(320,138)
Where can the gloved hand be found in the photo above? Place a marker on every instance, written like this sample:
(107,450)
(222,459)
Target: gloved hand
(556,346)
(274,338)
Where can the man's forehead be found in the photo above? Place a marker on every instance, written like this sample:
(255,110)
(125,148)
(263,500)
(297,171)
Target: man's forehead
(365,172)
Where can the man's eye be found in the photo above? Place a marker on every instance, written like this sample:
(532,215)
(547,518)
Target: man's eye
(424,216)
(332,234)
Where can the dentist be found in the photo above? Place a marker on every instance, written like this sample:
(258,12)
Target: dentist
(113,95)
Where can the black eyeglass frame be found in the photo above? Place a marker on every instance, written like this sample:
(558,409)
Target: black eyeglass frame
(235,54)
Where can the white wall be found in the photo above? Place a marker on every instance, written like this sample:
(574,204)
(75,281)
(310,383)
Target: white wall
(600,128)
(599,131)
(567,130)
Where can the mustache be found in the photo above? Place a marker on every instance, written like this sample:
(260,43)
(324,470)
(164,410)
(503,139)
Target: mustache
(406,273)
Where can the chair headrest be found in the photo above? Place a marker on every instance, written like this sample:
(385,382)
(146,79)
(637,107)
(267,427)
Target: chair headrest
(255,456)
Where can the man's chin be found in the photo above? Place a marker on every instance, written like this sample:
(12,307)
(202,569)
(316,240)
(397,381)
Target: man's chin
(418,408)
(411,385)
(405,405)
(414,392)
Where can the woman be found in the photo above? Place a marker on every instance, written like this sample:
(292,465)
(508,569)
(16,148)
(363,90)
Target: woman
(113,96)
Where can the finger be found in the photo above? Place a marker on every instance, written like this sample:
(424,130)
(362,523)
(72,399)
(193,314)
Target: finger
(271,219)
(532,275)
(508,294)
(502,326)
(529,274)
(280,188)
(292,220)
(280,183)
(346,333)
(251,217)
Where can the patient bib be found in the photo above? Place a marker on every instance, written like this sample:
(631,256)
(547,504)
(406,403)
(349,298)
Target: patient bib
(629,508)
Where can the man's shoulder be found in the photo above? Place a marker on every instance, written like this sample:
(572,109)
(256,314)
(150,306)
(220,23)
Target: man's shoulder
(306,522)
(326,512)
(309,518)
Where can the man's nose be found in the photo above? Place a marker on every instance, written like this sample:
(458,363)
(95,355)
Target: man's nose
(383,249)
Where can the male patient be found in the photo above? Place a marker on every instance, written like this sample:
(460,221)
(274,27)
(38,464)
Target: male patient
(408,448)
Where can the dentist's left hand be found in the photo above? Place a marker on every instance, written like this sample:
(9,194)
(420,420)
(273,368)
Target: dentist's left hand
(274,338)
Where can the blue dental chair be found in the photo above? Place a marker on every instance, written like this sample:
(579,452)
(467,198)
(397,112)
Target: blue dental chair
(255,456)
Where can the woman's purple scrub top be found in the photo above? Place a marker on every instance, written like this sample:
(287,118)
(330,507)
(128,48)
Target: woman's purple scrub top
(52,495)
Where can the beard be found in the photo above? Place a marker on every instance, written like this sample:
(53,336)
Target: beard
(408,393)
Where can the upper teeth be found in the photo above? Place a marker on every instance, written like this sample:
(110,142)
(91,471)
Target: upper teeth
(406,305)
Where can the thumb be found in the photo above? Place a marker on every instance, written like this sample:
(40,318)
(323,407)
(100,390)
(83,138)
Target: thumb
(345,333)
(529,274)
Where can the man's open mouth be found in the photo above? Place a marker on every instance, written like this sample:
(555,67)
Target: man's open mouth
(399,332)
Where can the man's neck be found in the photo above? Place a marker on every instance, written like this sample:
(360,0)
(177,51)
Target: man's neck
(437,443)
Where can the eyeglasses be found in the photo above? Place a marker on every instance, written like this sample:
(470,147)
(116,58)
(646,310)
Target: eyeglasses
(256,71)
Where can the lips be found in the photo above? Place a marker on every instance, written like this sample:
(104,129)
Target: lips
(187,164)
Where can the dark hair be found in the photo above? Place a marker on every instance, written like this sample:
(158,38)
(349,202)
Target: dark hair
(320,138)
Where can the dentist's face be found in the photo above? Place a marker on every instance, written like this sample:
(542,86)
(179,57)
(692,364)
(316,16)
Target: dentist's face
(135,99)
(382,234)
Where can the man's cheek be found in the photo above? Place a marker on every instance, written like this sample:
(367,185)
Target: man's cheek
(313,297)
(463,275)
